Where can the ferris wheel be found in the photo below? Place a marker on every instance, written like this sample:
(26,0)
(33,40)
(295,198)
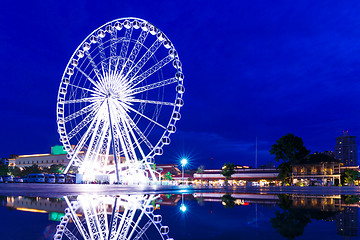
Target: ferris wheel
(119,99)
(128,217)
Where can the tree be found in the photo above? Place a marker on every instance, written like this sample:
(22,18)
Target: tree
(349,176)
(201,171)
(15,171)
(32,169)
(4,169)
(228,201)
(168,176)
(290,149)
(289,224)
(227,170)
(55,168)
(350,199)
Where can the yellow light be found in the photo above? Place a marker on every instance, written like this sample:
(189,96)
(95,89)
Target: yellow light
(31,210)
(34,155)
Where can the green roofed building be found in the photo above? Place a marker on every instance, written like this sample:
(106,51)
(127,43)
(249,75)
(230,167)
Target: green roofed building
(57,150)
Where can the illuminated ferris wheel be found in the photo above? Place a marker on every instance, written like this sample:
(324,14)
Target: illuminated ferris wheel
(119,100)
(127,217)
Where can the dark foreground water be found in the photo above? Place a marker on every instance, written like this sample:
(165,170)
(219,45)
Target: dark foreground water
(200,215)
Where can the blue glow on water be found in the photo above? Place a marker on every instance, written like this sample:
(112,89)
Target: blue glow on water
(212,216)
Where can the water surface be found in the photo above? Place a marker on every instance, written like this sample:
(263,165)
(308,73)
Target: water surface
(200,215)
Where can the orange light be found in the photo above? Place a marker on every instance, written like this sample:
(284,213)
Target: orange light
(31,210)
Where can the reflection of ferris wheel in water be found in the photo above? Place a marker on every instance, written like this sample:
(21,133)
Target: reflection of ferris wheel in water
(104,217)
(119,99)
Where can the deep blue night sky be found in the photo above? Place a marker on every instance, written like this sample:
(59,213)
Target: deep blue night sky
(252,69)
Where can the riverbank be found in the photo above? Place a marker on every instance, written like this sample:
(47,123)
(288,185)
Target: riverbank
(59,190)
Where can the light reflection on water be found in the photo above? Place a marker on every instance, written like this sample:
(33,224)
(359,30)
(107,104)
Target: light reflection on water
(175,216)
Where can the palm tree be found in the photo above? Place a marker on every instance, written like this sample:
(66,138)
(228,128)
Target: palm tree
(168,176)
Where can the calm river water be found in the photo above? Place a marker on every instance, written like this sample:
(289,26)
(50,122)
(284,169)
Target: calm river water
(207,215)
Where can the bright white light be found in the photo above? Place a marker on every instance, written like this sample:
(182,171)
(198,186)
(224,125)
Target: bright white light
(184,162)
(183,208)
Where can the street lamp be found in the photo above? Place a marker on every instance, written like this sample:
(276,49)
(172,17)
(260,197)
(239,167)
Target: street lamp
(184,161)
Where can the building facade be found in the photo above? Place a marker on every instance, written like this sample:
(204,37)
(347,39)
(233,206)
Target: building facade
(346,150)
(241,177)
(316,169)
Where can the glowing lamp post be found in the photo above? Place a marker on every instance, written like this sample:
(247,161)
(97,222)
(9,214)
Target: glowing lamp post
(182,206)
(183,163)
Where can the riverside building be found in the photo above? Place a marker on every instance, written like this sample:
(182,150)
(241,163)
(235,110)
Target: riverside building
(346,150)
(57,156)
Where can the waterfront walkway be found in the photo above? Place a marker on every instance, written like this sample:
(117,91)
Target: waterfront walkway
(59,190)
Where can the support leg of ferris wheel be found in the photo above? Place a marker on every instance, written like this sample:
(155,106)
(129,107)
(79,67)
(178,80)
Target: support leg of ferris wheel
(113,143)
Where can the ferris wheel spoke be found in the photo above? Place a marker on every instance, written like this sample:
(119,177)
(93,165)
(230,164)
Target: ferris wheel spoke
(129,143)
(103,220)
(132,125)
(134,52)
(139,132)
(143,60)
(81,112)
(159,65)
(113,49)
(120,224)
(69,234)
(100,94)
(128,126)
(77,221)
(152,102)
(104,64)
(136,225)
(99,220)
(153,86)
(114,220)
(94,141)
(125,46)
(127,224)
(118,136)
(82,124)
(79,147)
(101,144)
(89,217)
(93,65)
(143,230)
(151,120)
(97,86)
(90,99)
